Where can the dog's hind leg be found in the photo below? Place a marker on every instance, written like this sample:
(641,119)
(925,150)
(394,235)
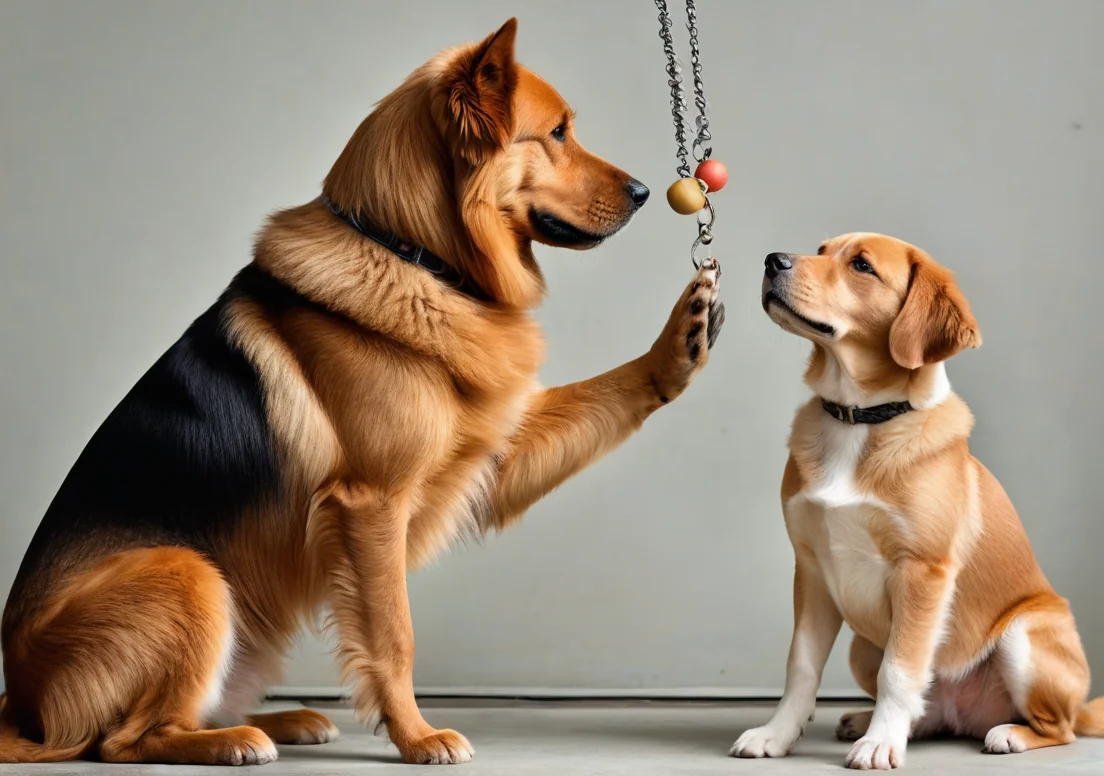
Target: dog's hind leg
(865,660)
(131,654)
(296,726)
(1047,675)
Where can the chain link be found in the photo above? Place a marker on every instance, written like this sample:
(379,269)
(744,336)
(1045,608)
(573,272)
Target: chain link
(705,236)
(674,80)
(678,99)
(701,150)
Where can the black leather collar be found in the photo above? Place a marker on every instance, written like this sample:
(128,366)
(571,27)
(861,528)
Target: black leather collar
(418,255)
(877,414)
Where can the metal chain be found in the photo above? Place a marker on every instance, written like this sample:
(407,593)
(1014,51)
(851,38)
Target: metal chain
(701,150)
(675,81)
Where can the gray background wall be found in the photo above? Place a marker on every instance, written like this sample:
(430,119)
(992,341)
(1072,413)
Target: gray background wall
(142,143)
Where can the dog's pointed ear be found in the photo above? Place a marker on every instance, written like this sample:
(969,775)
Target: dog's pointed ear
(935,321)
(479,87)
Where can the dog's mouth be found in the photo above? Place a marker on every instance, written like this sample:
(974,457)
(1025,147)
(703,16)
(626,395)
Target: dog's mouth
(822,328)
(559,232)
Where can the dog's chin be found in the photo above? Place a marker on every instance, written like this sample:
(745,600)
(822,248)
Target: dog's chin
(553,230)
(793,321)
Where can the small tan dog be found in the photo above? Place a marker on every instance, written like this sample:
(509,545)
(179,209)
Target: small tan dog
(902,534)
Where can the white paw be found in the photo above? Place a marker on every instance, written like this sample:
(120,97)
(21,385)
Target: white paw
(254,750)
(853,725)
(261,755)
(441,747)
(1003,739)
(765,742)
(876,753)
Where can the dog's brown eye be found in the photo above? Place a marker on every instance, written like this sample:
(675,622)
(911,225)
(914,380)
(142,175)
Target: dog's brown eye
(859,264)
(558,133)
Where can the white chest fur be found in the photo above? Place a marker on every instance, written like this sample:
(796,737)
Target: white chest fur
(834,518)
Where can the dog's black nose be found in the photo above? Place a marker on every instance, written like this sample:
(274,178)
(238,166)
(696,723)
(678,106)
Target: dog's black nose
(638,192)
(777,262)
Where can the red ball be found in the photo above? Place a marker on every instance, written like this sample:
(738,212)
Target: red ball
(713,173)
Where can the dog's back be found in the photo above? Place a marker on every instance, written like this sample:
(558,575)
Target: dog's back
(176,463)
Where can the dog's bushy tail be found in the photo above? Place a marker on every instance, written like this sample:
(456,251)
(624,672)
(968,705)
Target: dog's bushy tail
(1090,722)
(15,749)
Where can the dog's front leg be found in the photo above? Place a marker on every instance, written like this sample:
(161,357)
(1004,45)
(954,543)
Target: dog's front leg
(817,622)
(356,537)
(920,596)
(567,428)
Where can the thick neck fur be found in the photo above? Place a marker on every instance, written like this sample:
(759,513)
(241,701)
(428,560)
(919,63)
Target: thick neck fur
(871,454)
(849,376)
(330,264)
(398,171)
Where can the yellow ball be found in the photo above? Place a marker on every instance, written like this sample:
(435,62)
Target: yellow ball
(686,196)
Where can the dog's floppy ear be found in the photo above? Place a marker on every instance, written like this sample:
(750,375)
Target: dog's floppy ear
(935,321)
(479,89)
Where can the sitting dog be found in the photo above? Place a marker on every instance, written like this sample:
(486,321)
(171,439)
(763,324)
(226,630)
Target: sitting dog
(363,393)
(899,532)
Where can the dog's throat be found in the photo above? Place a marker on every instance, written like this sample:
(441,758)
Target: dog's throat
(417,255)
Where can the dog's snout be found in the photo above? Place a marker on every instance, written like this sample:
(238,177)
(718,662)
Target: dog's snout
(638,192)
(777,262)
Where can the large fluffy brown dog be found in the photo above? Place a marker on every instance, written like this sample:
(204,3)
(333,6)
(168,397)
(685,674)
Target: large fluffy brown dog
(336,418)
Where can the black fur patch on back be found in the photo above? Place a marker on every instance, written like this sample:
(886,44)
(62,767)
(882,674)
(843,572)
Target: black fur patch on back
(180,458)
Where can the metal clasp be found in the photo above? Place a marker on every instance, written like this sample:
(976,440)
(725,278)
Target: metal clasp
(705,234)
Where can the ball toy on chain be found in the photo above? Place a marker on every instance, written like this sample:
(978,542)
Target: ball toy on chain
(689,194)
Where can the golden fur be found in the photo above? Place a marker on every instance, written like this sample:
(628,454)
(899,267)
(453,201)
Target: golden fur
(901,533)
(402,413)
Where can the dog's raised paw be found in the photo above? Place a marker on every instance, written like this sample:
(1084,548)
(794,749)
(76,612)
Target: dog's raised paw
(702,312)
(682,350)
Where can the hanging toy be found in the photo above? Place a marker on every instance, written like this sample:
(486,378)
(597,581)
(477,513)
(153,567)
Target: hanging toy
(686,196)
(713,174)
(689,194)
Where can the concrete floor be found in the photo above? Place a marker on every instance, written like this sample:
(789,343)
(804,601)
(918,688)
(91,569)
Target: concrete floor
(653,739)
